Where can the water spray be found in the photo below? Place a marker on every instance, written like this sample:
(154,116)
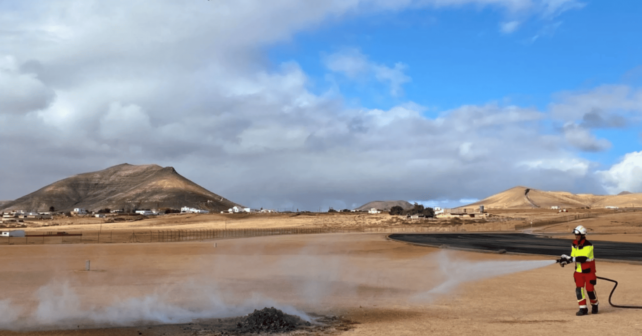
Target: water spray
(563,263)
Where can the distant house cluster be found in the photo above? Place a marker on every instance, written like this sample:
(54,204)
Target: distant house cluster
(237,209)
(460,213)
(186,209)
(146,212)
(79,211)
(17,217)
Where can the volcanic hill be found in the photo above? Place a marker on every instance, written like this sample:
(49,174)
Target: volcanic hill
(524,198)
(123,186)
(385,205)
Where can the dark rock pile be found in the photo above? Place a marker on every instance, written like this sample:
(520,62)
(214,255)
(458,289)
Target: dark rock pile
(269,320)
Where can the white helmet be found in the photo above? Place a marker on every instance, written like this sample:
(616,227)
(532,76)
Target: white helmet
(579,230)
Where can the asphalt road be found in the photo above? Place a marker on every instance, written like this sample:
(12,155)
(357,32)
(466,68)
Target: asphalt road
(521,243)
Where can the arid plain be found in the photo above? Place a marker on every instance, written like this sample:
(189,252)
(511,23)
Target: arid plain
(372,285)
(200,274)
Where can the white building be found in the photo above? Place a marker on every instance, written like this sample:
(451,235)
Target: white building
(144,212)
(611,207)
(80,211)
(237,209)
(99,215)
(555,207)
(374,211)
(438,210)
(14,233)
(193,210)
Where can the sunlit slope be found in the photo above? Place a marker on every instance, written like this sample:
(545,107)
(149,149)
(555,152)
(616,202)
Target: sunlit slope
(518,198)
(122,187)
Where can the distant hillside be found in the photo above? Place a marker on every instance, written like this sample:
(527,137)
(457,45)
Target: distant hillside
(517,198)
(3,203)
(384,205)
(122,187)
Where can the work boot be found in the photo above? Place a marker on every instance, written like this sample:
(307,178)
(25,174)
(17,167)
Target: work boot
(594,309)
(582,312)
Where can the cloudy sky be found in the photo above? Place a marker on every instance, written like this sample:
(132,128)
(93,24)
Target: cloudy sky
(311,104)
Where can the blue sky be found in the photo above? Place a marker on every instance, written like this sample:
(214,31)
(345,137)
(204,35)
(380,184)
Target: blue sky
(459,56)
(312,104)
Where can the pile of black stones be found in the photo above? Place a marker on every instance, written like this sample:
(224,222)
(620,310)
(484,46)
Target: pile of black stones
(270,320)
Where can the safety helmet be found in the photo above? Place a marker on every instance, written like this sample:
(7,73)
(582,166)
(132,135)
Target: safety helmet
(579,230)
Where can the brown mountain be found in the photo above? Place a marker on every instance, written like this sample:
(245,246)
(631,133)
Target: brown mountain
(384,205)
(123,186)
(524,198)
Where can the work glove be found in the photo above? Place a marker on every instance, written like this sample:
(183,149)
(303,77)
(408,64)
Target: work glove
(565,260)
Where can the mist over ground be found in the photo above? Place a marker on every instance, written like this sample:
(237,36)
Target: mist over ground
(233,279)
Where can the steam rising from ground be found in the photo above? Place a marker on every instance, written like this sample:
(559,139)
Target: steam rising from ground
(234,285)
(60,306)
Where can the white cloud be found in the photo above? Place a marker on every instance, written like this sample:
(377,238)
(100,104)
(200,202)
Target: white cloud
(509,27)
(573,166)
(544,8)
(607,98)
(185,84)
(355,65)
(395,76)
(624,175)
(350,62)
(551,8)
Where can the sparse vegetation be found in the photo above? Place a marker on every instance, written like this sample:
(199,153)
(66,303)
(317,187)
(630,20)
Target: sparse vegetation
(396,210)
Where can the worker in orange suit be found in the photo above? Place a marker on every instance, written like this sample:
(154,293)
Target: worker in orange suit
(583,255)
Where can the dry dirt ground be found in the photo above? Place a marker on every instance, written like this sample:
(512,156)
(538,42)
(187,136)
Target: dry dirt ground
(246,221)
(374,286)
(624,227)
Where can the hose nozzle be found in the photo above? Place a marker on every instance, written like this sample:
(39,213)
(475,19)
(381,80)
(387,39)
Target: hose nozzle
(562,261)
